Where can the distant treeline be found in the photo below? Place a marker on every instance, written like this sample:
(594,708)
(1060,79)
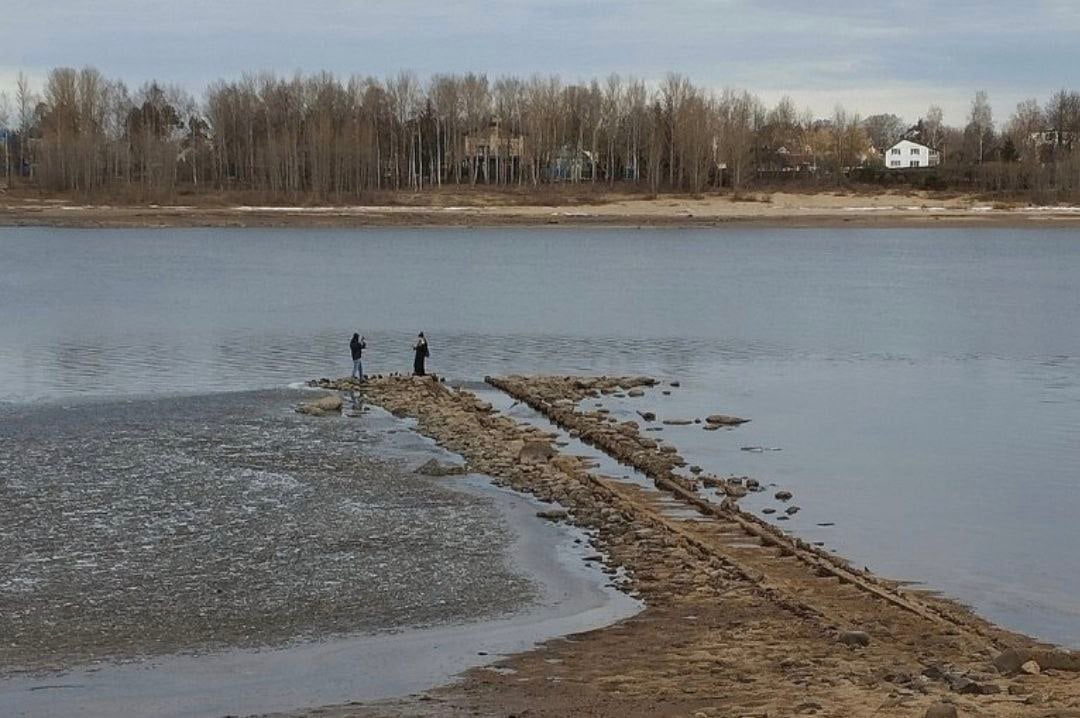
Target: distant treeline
(323,137)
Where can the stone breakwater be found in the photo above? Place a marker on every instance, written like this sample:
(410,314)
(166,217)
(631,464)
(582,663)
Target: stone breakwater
(740,615)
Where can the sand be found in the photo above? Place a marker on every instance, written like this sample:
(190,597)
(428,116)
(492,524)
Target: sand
(480,209)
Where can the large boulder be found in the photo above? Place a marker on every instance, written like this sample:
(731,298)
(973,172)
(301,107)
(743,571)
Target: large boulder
(854,638)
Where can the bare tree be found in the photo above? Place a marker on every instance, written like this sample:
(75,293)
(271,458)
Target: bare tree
(934,127)
(738,114)
(981,122)
(674,91)
(5,114)
(635,110)
(610,117)
(1063,117)
(884,130)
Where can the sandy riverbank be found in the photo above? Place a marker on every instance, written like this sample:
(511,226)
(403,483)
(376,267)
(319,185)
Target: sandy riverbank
(742,619)
(768,209)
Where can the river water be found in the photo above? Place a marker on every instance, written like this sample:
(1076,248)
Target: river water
(923,386)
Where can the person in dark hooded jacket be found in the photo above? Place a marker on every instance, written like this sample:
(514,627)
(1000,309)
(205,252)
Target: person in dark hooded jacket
(420,348)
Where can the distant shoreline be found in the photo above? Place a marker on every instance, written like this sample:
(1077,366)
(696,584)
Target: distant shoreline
(767,210)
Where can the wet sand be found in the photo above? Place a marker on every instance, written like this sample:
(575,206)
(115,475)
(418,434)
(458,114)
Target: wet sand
(839,209)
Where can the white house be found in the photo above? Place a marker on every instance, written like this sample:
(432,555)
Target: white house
(906,153)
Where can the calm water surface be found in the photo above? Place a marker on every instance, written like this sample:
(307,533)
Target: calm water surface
(924,386)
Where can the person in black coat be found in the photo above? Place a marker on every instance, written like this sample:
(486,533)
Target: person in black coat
(420,347)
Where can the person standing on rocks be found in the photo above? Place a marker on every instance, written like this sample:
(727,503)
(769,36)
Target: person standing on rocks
(356,346)
(420,347)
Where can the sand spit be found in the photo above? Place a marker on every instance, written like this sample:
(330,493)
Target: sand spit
(741,620)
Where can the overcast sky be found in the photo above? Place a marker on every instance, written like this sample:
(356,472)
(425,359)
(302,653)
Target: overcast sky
(870,55)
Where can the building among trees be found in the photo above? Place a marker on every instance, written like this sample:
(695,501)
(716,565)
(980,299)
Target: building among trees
(494,155)
(906,154)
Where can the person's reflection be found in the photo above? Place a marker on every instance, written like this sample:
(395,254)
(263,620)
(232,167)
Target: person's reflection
(356,403)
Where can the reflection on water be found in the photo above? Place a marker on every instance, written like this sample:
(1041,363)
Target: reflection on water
(924,385)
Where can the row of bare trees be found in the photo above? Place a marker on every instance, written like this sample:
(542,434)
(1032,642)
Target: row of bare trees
(323,137)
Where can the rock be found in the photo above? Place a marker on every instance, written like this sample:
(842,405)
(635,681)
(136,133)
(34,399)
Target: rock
(783,495)
(735,491)
(435,468)
(724,420)
(941,710)
(968,687)
(322,406)
(647,415)
(935,673)
(1009,661)
(677,422)
(676,384)
(711,427)
(854,638)
(753,484)
(791,510)
(665,392)
(1031,668)
(768,511)
(553,514)
(534,451)
(635,393)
